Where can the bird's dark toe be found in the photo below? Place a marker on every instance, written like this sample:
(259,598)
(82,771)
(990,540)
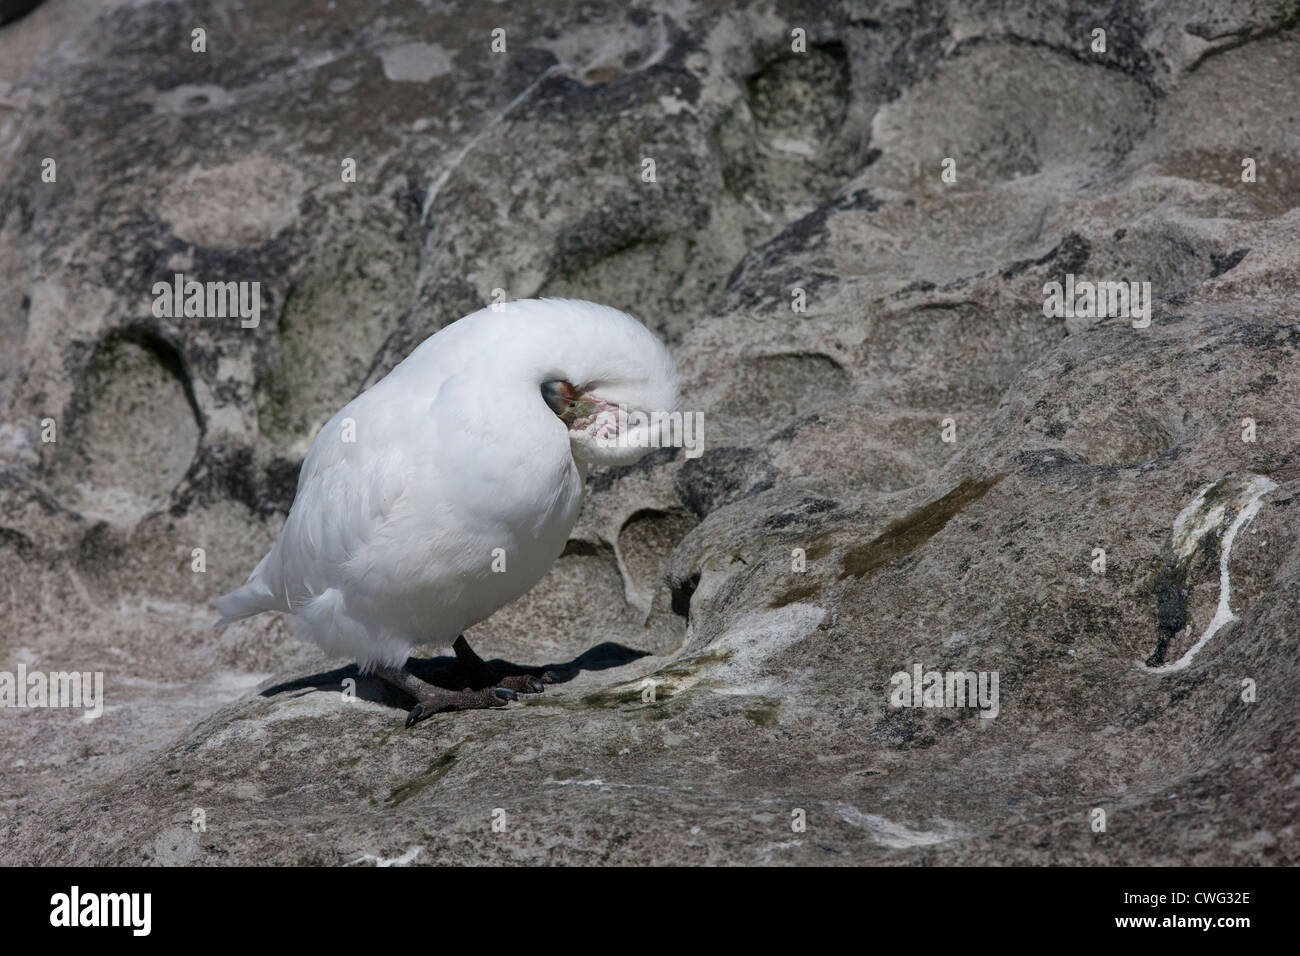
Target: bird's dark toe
(505,693)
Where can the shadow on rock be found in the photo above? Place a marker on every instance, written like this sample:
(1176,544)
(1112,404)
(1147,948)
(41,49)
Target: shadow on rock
(447,672)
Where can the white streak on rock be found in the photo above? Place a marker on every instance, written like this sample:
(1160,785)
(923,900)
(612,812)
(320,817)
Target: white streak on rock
(406,858)
(1187,539)
(895,835)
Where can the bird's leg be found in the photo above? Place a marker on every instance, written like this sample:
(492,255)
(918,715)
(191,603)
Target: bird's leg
(481,674)
(431,699)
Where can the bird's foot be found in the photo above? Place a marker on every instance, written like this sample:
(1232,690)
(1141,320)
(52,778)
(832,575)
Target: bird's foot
(437,699)
(481,674)
(431,699)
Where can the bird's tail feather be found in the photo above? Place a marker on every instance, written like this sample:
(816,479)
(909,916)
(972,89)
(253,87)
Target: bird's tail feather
(242,602)
(252,597)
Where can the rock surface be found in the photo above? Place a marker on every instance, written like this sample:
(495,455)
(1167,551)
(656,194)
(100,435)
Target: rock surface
(775,171)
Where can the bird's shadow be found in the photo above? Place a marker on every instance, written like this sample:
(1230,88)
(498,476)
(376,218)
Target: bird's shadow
(447,672)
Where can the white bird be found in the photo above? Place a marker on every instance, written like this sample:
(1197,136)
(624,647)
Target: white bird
(449,487)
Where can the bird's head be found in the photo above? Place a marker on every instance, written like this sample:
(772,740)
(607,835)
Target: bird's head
(609,384)
(543,374)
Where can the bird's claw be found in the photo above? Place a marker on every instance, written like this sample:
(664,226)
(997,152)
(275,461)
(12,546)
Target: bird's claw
(505,693)
(521,683)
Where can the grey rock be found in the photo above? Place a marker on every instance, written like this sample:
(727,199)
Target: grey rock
(730,624)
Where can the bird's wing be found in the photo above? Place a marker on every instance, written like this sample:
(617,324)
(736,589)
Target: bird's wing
(355,473)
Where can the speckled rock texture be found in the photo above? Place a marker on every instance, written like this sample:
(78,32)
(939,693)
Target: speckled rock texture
(909,463)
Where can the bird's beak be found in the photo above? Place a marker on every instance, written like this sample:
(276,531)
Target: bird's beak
(567,402)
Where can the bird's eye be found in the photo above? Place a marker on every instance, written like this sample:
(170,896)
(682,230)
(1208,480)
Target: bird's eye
(560,396)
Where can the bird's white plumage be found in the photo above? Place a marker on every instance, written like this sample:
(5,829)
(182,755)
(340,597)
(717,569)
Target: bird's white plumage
(391,537)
